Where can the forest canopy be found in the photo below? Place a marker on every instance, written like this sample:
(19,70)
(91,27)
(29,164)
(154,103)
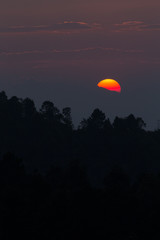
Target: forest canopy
(100,180)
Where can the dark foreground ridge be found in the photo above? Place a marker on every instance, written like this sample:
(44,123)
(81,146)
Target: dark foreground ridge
(100,180)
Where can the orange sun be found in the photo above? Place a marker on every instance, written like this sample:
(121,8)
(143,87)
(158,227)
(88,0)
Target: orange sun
(110,84)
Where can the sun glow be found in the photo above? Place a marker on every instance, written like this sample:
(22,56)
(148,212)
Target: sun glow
(110,84)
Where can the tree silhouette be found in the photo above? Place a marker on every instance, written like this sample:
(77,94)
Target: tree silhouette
(29,109)
(67,119)
(50,112)
(95,121)
(129,123)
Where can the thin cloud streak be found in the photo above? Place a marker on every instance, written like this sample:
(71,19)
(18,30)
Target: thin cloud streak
(64,27)
(56,51)
(137,26)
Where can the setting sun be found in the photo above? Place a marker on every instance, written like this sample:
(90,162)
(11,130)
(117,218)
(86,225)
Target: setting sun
(110,84)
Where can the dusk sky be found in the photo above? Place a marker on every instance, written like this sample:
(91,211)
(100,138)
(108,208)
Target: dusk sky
(59,50)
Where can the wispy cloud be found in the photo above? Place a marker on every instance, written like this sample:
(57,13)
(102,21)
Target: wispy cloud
(12,53)
(129,23)
(138,26)
(64,27)
(67,51)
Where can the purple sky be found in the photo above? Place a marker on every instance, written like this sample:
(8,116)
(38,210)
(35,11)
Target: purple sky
(59,50)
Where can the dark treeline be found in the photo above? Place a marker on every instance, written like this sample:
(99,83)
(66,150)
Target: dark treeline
(100,180)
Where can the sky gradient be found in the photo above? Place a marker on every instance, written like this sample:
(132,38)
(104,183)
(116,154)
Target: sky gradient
(59,50)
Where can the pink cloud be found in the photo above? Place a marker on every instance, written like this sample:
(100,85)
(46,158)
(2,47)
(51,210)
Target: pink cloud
(66,27)
(67,51)
(138,26)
